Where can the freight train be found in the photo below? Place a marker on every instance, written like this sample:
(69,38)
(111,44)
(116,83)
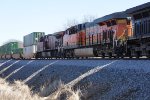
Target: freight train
(105,36)
(121,34)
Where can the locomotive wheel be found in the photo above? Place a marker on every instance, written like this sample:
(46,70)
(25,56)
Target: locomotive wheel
(130,56)
(117,56)
(95,53)
(122,56)
(77,57)
(138,55)
(103,55)
(110,55)
(148,56)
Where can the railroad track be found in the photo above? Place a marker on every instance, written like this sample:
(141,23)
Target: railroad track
(91,58)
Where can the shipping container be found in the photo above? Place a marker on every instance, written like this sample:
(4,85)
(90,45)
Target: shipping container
(10,47)
(18,51)
(30,51)
(33,38)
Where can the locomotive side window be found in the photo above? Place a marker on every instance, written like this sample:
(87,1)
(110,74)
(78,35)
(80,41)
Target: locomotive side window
(145,14)
(128,20)
(137,16)
(113,22)
(108,24)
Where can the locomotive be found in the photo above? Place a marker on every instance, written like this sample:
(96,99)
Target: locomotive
(139,43)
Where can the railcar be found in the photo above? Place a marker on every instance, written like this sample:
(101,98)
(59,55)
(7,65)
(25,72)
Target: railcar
(11,50)
(50,45)
(74,39)
(139,42)
(30,44)
(114,32)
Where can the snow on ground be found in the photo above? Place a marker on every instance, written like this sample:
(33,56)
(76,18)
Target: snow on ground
(123,79)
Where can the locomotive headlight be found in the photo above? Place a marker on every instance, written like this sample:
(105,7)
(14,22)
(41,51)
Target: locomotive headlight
(129,18)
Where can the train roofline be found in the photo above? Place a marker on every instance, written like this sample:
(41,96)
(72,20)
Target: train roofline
(119,15)
(138,8)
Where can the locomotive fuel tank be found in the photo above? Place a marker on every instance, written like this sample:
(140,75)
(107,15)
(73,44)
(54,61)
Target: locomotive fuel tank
(84,52)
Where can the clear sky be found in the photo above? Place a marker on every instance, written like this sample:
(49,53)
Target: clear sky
(21,17)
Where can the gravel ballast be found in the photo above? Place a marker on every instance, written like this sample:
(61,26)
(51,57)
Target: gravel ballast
(121,80)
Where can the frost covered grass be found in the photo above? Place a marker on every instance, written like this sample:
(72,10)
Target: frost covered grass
(20,91)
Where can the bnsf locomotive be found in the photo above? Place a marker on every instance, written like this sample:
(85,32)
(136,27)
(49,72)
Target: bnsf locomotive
(139,43)
(121,34)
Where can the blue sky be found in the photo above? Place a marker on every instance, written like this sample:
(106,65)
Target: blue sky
(21,17)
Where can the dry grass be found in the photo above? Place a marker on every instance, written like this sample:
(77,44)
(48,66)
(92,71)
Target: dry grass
(19,91)
(65,93)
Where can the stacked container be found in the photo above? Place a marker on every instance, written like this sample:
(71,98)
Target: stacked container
(30,44)
(11,48)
